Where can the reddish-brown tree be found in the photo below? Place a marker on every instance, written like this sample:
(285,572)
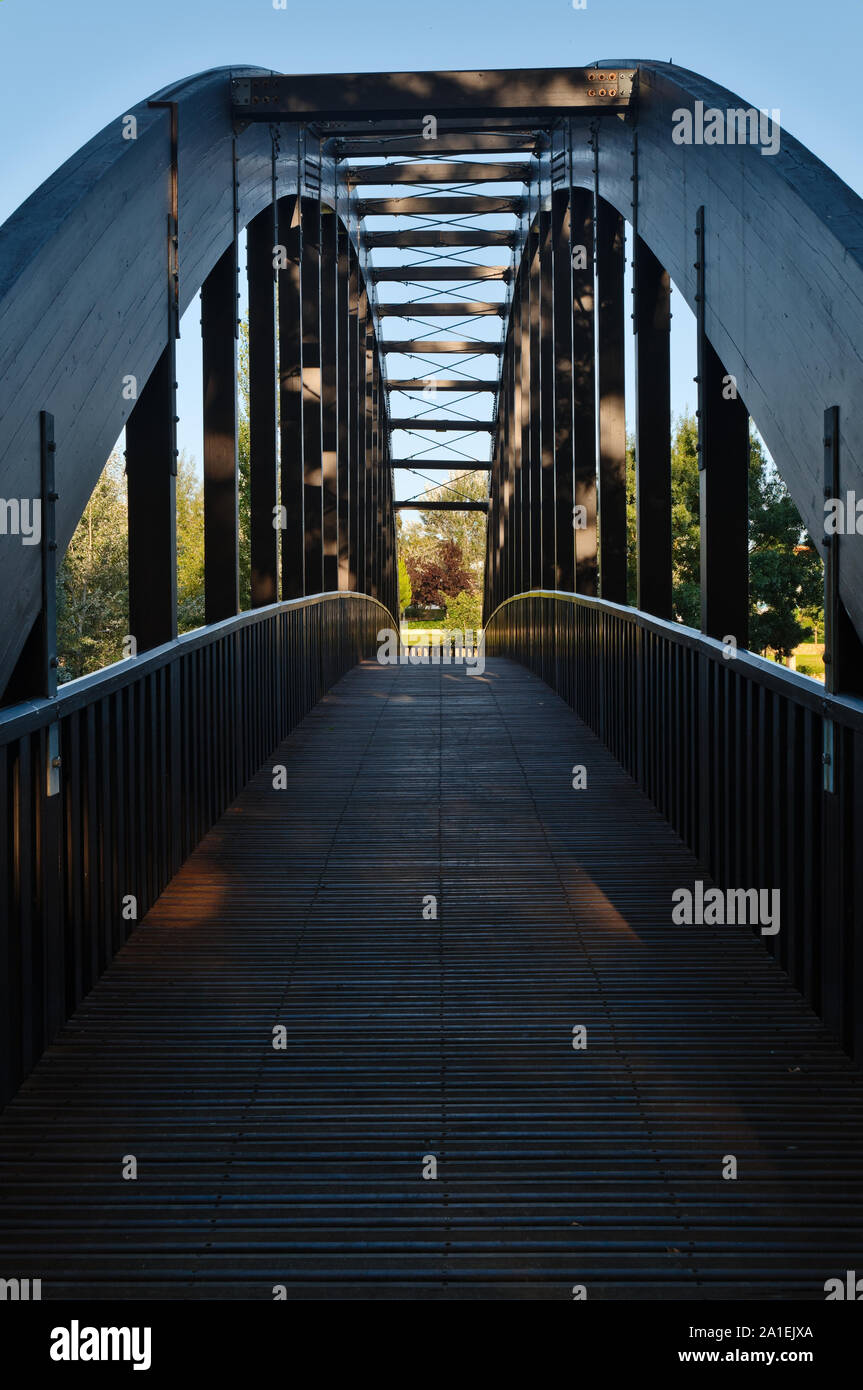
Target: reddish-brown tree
(441,576)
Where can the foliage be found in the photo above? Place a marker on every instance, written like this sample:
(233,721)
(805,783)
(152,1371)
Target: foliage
(190,546)
(92,580)
(464,612)
(464,529)
(785,569)
(440,560)
(439,575)
(405,592)
(414,543)
(685,523)
(445,551)
(93,577)
(685,527)
(784,565)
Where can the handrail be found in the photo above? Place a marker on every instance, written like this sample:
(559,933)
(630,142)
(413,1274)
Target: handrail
(108,204)
(16,720)
(111,785)
(752,765)
(100,206)
(758,211)
(846,708)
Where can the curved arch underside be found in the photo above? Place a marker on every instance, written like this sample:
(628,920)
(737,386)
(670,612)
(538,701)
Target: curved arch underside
(84,285)
(784,268)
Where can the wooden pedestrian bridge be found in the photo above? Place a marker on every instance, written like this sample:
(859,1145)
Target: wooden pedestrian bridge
(531,974)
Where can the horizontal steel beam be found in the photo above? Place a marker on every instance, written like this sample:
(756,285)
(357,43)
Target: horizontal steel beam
(441,506)
(491,123)
(408,422)
(448,141)
(420,272)
(470,465)
(431,384)
(439,345)
(388,174)
(442,309)
(365,95)
(440,236)
(473,205)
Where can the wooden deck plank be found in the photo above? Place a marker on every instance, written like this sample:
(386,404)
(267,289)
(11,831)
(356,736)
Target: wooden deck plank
(450,1037)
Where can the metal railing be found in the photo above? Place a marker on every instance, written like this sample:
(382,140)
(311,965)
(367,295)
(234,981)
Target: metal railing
(758,769)
(151,751)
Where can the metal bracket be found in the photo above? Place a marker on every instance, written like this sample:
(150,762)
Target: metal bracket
(700,309)
(274,142)
(173,222)
(828,758)
(634,221)
(634,180)
(831,553)
(241,91)
(52,759)
(545,180)
(47,452)
(235,220)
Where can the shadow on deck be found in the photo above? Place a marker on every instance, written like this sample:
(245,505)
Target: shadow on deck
(409,1037)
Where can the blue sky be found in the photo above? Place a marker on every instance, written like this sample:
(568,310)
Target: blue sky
(68,69)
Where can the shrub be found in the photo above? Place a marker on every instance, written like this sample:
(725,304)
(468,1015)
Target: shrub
(464,612)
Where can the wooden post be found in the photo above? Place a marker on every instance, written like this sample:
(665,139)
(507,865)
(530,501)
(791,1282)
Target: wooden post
(368,454)
(290,399)
(653,431)
(313,506)
(723,482)
(564,478)
(534,410)
(343,339)
(151,476)
(583,391)
(221,497)
(329,399)
(610,261)
(354,416)
(522,482)
(376,479)
(843,650)
(261,240)
(548,523)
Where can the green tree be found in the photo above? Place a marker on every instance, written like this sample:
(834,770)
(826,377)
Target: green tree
(685,528)
(464,612)
(785,569)
(190,546)
(631,528)
(441,546)
(93,576)
(685,524)
(92,580)
(464,529)
(440,575)
(414,541)
(404,585)
(785,573)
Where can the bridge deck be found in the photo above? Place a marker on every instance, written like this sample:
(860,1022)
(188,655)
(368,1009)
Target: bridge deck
(450,1037)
